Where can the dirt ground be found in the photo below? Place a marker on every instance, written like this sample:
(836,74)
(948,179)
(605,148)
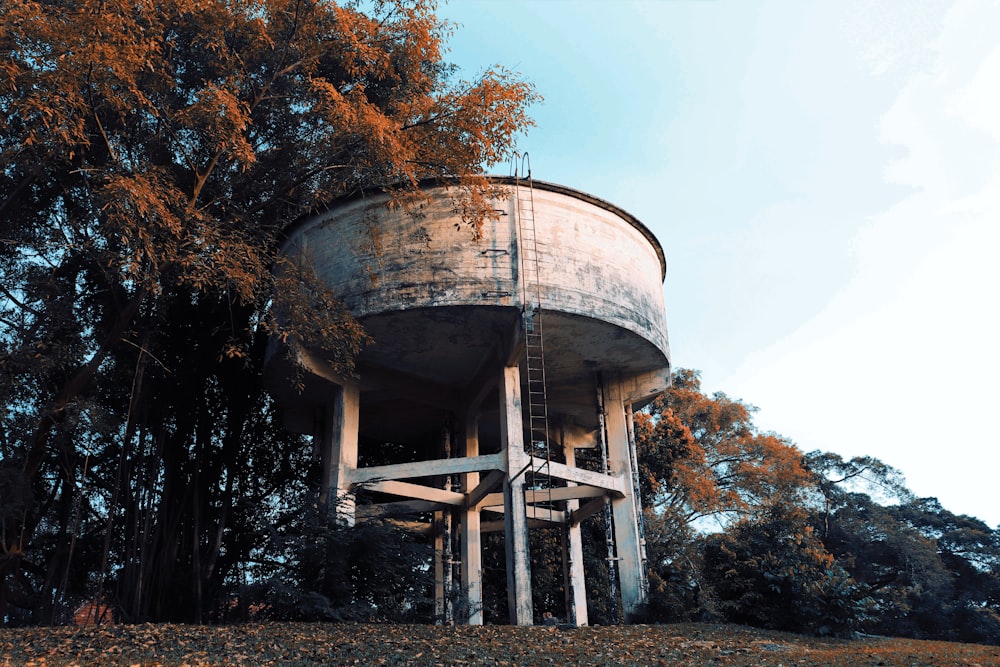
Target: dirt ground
(347,644)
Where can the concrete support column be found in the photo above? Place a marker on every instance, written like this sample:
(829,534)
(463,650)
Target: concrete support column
(576,590)
(515,517)
(338,444)
(624,510)
(471,541)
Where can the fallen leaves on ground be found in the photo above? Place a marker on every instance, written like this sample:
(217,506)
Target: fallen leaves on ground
(295,644)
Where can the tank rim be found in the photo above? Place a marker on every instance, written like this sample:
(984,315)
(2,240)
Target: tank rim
(431,183)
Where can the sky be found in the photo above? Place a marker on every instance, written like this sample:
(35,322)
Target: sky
(824,178)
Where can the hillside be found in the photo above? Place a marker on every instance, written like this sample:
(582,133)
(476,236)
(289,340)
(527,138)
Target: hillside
(324,644)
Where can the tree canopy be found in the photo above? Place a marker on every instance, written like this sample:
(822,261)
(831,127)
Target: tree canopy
(807,542)
(702,456)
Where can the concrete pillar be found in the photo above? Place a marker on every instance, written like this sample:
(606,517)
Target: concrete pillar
(338,442)
(515,517)
(576,590)
(471,541)
(624,510)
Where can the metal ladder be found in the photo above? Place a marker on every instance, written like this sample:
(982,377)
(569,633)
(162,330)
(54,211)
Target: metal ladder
(531,320)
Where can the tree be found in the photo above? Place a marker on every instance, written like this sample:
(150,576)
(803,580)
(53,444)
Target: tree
(150,156)
(929,573)
(703,456)
(836,480)
(772,571)
(700,457)
(373,572)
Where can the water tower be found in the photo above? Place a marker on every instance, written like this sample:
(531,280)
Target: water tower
(496,357)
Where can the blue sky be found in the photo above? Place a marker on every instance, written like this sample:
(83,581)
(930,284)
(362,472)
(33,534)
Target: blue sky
(825,180)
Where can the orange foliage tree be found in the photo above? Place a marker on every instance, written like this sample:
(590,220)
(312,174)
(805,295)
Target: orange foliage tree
(151,153)
(702,456)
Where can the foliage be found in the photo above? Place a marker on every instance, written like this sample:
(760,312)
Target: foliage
(699,457)
(772,571)
(150,156)
(814,543)
(930,573)
(702,456)
(674,571)
(328,571)
(836,480)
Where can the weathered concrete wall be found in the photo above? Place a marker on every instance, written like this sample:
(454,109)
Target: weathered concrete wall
(379,260)
(595,261)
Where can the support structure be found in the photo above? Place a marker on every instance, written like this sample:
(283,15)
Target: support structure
(624,509)
(337,432)
(515,517)
(497,483)
(444,562)
(471,536)
(576,590)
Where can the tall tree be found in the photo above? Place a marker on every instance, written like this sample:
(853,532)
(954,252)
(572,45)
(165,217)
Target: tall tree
(702,456)
(838,481)
(929,573)
(150,155)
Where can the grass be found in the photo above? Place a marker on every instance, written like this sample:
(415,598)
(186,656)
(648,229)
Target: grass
(348,644)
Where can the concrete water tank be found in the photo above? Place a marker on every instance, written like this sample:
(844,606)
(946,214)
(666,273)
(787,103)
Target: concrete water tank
(446,306)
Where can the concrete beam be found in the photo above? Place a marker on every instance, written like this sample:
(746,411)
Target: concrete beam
(337,432)
(428,468)
(484,489)
(417,491)
(575,586)
(470,543)
(497,526)
(624,511)
(560,493)
(587,511)
(416,527)
(316,365)
(543,514)
(615,483)
(641,389)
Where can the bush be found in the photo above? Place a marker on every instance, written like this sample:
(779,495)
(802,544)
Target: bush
(375,571)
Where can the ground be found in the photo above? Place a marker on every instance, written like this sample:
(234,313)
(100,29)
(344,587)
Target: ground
(346,644)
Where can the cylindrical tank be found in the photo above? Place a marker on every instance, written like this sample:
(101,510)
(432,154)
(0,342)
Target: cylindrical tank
(442,302)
